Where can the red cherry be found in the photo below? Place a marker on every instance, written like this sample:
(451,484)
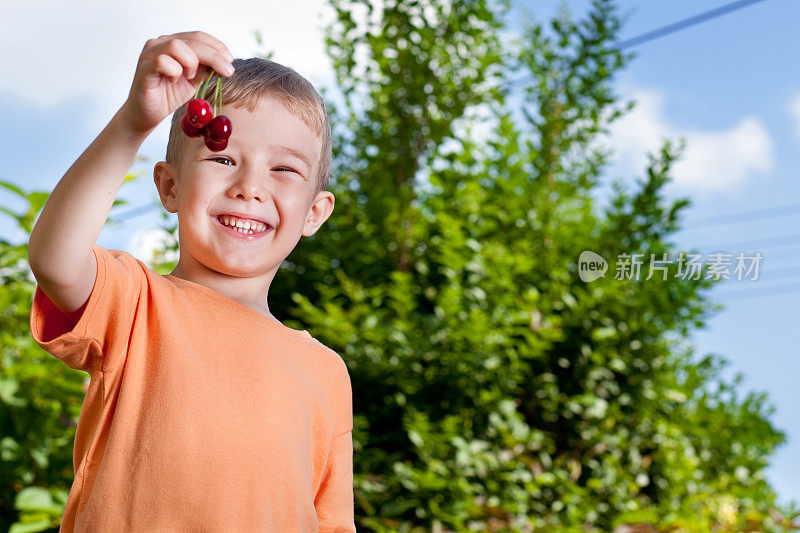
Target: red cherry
(219,129)
(199,112)
(216,146)
(190,130)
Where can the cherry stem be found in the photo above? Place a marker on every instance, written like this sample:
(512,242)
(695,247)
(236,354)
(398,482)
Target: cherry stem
(197,90)
(210,75)
(216,97)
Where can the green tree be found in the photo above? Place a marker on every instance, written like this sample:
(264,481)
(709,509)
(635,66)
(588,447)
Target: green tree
(493,388)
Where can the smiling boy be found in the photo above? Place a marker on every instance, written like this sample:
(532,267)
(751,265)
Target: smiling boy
(203,186)
(204,412)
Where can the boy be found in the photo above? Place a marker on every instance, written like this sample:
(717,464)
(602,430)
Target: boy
(204,412)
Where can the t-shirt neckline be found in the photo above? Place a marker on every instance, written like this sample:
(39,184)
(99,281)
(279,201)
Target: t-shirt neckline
(241,308)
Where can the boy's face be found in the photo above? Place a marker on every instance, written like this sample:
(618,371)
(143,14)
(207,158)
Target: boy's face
(253,175)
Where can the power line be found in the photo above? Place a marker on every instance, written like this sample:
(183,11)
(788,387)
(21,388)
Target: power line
(769,259)
(134,212)
(621,45)
(781,272)
(786,288)
(761,243)
(685,23)
(743,216)
(794,253)
(670,28)
(765,274)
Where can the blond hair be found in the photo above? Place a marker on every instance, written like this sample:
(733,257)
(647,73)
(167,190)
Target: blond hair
(253,80)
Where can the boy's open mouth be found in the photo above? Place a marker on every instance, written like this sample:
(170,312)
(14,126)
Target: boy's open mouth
(243,226)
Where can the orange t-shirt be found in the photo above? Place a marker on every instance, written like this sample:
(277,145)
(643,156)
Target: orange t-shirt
(201,414)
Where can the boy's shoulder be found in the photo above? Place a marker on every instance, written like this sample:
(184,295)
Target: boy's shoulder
(328,352)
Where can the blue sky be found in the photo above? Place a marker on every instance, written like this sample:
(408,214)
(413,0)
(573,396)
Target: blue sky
(728,85)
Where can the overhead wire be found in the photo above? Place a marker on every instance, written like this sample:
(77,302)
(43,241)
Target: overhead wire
(628,43)
(786,288)
(668,29)
(134,212)
(732,218)
(742,216)
(764,243)
(685,23)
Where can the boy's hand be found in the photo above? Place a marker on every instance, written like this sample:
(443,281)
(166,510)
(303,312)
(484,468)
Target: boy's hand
(170,69)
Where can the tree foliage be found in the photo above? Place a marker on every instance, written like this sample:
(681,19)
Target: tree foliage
(494,389)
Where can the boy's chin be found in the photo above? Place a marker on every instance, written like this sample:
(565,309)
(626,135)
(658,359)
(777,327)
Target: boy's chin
(241,268)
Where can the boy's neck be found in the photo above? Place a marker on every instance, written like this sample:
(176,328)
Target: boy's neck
(250,292)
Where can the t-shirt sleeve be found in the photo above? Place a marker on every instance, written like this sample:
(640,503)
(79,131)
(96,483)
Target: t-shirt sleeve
(104,325)
(334,502)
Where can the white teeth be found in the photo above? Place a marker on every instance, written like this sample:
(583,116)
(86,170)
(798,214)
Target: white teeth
(246,225)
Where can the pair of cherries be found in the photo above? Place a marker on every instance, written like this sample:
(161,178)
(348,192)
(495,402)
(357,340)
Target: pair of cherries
(200,119)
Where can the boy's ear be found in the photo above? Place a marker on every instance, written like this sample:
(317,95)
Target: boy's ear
(318,213)
(166,180)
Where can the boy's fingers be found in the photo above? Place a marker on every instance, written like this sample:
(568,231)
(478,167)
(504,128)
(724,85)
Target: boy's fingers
(183,54)
(208,40)
(200,75)
(168,66)
(201,53)
(212,57)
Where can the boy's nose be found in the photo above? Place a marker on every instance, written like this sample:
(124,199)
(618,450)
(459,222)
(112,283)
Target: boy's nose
(249,186)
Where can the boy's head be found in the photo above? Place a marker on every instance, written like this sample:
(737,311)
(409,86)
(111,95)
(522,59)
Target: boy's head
(254,80)
(274,111)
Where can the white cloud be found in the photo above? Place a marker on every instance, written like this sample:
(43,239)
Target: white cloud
(61,50)
(712,161)
(725,159)
(794,111)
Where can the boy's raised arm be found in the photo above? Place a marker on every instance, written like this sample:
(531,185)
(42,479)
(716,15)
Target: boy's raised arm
(60,247)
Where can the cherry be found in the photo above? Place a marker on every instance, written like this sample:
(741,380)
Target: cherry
(190,130)
(199,119)
(199,112)
(220,128)
(214,145)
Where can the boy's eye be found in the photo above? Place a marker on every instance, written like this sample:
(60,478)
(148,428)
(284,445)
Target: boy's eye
(229,160)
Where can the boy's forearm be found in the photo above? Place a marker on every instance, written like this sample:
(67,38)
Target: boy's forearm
(77,209)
